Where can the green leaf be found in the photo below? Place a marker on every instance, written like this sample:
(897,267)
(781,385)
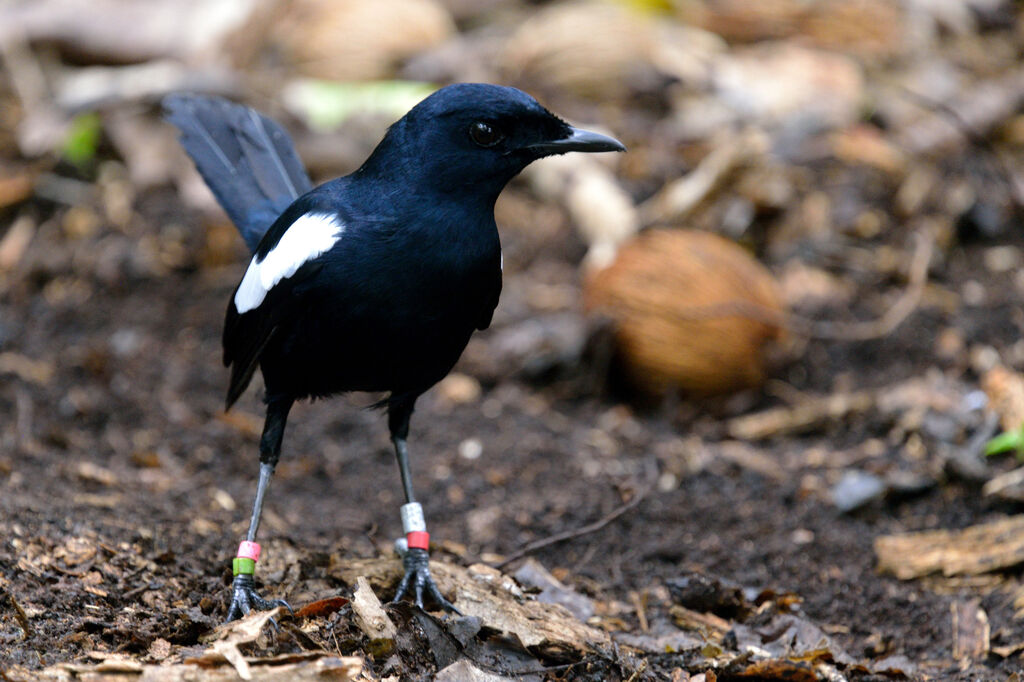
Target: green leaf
(1005,442)
(325,105)
(83,139)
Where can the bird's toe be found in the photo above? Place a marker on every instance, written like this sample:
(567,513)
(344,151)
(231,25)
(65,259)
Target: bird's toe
(419,584)
(244,599)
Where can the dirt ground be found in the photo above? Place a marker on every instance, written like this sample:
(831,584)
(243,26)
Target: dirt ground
(124,488)
(867,153)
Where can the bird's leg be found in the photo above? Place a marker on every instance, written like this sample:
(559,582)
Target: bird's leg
(243,590)
(417,581)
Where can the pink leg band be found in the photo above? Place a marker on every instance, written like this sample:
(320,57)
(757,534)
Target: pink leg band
(418,539)
(249,550)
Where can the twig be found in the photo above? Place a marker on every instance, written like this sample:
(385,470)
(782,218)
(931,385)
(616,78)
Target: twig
(578,532)
(987,104)
(894,316)
(678,198)
(20,616)
(636,673)
(640,608)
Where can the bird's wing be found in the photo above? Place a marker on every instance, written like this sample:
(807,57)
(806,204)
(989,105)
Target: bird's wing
(246,159)
(287,255)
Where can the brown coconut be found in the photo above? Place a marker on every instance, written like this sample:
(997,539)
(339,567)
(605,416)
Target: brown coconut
(359,40)
(689,310)
(592,49)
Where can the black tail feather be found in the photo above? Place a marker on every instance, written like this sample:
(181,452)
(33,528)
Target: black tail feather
(246,159)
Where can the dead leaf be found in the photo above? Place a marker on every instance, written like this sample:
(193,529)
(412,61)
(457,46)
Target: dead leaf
(777,669)
(1005,390)
(227,637)
(321,608)
(495,599)
(464,671)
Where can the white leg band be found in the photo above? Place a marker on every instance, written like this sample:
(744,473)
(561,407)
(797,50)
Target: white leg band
(412,518)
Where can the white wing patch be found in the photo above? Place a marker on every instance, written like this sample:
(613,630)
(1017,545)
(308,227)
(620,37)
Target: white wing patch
(304,240)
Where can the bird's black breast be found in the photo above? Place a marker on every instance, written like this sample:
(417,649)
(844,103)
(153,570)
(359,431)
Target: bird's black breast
(391,308)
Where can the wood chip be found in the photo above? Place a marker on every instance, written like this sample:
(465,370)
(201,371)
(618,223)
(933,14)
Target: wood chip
(369,613)
(977,549)
(971,631)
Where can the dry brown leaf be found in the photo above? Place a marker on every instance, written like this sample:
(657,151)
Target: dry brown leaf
(321,608)
(227,637)
(493,597)
(777,669)
(1005,390)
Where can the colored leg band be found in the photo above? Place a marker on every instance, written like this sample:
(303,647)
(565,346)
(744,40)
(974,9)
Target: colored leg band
(245,562)
(243,566)
(418,539)
(412,518)
(249,550)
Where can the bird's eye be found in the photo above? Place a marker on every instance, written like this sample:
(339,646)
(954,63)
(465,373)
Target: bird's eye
(485,134)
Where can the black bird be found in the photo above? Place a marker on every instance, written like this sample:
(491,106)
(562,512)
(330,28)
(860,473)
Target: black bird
(370,282)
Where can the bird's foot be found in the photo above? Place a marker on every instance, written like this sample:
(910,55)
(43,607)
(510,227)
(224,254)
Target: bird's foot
(417,581)
(244,599)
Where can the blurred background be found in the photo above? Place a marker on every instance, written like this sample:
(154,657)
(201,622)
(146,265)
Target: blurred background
(784,325)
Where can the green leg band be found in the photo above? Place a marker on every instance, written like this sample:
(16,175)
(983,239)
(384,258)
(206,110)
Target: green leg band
(243,566)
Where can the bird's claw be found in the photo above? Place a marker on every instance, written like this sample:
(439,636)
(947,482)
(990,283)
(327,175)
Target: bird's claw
(244,599)
(417,581)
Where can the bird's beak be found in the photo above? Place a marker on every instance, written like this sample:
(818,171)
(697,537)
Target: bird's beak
(578,141)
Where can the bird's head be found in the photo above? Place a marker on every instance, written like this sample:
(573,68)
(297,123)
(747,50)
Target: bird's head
(474,135)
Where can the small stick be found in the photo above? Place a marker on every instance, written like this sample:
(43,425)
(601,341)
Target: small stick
(636,673)
(576,532)
(640,608)
(20,616)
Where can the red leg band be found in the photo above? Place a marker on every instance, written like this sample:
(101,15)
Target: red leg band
(418,539)
(249,550)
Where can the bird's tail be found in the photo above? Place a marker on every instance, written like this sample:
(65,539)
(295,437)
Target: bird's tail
(246,159)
